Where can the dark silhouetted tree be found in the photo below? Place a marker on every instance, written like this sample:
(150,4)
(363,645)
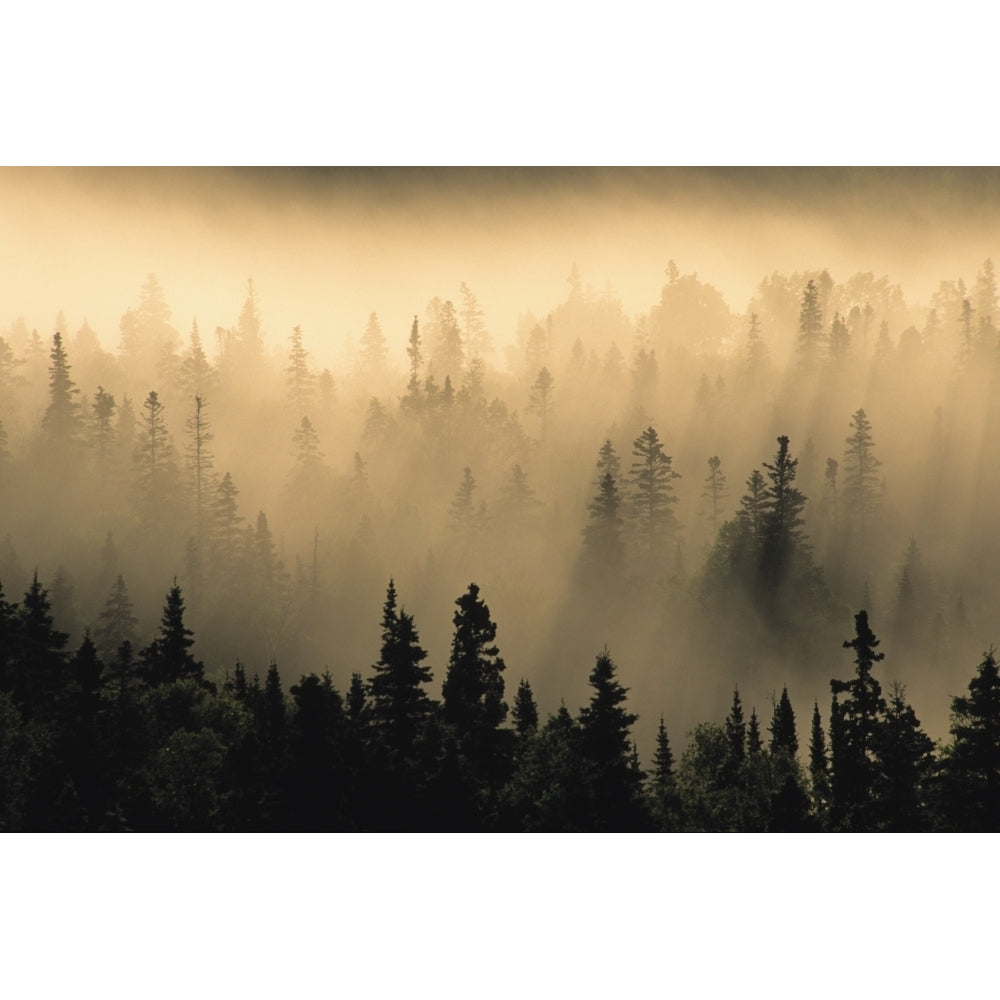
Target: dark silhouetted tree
(854,731)
(971,760)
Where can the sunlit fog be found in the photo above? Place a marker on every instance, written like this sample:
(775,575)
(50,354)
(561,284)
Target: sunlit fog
(585,391)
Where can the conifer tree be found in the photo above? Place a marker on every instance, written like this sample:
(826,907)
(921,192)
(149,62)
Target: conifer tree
(116,623)
(200,464)
(754,505)
(539,400)
(819,765)
(605,728)
(754,743)
(782,727)
(862,482)
(300,380)
(399,704)
(463,509)
(473,687)
(61,421)
(810,325)
(905,765)
(168,657)
(651,494)
(603,545)
(413,352)
(736,731)
(854,728)
(154,462)
(102,435)
(524,711)
(715,488)
(971,760)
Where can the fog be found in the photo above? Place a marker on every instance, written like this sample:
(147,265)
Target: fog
(589,274)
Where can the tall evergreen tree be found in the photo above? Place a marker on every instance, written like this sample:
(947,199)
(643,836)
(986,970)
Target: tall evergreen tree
(782,727)
(971,760)
(399,705)
(810,325)
(168,657)
(736,730)
(651,494)
(854,732)
(819,766)
(605,727)
(862,484)
(61,422)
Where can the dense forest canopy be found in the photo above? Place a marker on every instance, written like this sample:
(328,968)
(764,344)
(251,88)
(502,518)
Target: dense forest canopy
(707,483)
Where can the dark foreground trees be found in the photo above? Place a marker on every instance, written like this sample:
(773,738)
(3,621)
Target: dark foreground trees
(144,740)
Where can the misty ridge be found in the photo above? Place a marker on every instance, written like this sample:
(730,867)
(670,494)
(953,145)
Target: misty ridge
(230,574)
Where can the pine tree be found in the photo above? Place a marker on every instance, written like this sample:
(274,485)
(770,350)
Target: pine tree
(754,743)
(831,482)
(782,727)
(197,376)
(819,767)
(102,435)
(200,465)
(300,380)
(862,482)
(524,711)
(155,465)
(116,623)
(603,545)
(168,657)
(399,705)
(736,731)
(854,729)
(473,687)
(651,494)
(413,352)
(463,509)
(971,760)
(477,340)
(539,400)
(61,422)
(605,728)
(810,325)
(715,488)
(905,764)
(754,505)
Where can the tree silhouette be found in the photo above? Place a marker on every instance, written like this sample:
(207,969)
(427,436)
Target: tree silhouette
(971,760)
(854,732)
(168,657)
(61,421)
(651,493)
(862,484)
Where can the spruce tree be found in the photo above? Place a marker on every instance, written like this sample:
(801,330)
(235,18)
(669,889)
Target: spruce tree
(862,482)
(606,744)
(61,422)
(524,712)
(651,493)
(971,760)
(782,727)
(736,731)
(168,657)
(398,703)
(854,733)
(819,766)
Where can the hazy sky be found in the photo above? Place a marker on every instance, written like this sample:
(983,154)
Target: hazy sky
(327,246)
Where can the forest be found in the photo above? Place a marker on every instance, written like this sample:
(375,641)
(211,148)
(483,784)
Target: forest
(438,588)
